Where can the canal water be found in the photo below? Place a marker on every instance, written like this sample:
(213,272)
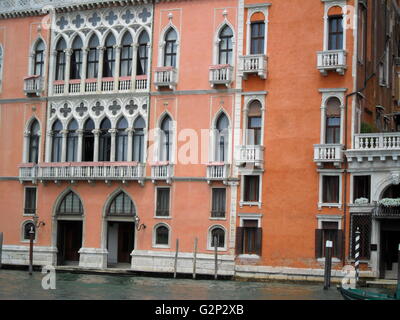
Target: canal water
(72,286)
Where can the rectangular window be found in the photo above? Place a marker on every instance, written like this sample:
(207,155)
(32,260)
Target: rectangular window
(333,130)
(362,187)
(162,209)
(254,131)
(251,189)
(329,232)
(30,200)
(335,41)
(218,203)
(249,238)
(330,189)
(257,37)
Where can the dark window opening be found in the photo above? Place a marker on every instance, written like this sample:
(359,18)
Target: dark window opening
(362,187)
(330,189)
(163,195)
(162,235)
(218,203)
(30,200)
(251,188)
(218,234)
(335,40)
(257,37)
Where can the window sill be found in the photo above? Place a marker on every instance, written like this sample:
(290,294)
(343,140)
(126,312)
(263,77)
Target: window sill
(250,204)
(249,256)
(218,249)
(163,217)
(217,218)
(329,205)
(161,246)
(334,260)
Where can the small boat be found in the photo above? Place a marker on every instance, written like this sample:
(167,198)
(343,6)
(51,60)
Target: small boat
(358,294)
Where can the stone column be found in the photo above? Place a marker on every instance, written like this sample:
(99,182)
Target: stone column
(96,133)
(52,68)
(68,53)
(64,145)
(113,134)
(25,152)
(135,47)
(80,145)
(84,68)
(323,123)
(130,132)
(100,74)
(117,49)
(49,145)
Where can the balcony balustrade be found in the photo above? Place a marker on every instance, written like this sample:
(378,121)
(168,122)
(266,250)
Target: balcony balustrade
(27,172)
(218,172)
(221,75)
(328,153)
(141,83)
(331,60)
(253,64)
(251,154)
(162,171)
(165,77)
(33,85)
(386,212)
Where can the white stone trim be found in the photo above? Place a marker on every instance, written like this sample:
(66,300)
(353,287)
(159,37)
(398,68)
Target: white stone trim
(327,5)
(93,258)
(19,255)
(250,216)
(216,41)
(255,203)
(248,99)
(329,218)
(209,237)
(161,246)
(261,8)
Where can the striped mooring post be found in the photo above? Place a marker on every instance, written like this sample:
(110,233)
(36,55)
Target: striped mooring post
(357,254)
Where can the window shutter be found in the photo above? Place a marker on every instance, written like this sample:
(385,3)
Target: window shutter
(258,241)
(239,240)
(318,243)
(338,253)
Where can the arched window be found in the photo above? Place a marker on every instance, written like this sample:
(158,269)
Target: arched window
(332,133)
(161,235)
(60,59)
(34,142)
(257,41)
(27,227)
(72,141)
(76,59)
(109,57)
(143,54)
(126,55)
(93,58)
(88,141)
(166,139)
(70,205)
(222,138)
(217,236)
(254,124)
(57,141)
(121,205)
(170,48)
(335,38)
(225,46)
(121,144)
(105,140)
(39,59)
(138,139)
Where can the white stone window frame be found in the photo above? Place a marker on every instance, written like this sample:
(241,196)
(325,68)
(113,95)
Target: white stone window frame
(158,145)
(252,9)
(31,64)
(328,4)
(213,137)
(162,43)
(161,246)
(24,204)
(248,99)
(209,238)
(250,216)
(22,228)
(250,172)
(330,173)
(359,174)
(217,40)
(226,204)
(26,142)
(329,218)
(169,217)
(326,95)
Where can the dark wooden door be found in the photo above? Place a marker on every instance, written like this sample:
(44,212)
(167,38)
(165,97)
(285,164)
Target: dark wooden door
(70,240)
(126,236)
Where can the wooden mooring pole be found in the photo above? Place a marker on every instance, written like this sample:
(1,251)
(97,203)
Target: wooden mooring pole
(194,258)
(31,235)
(398,274)
(176,257)
(216,258)
(1,246)
(328,264)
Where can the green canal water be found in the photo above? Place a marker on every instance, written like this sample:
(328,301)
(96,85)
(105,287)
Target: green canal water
(71,286)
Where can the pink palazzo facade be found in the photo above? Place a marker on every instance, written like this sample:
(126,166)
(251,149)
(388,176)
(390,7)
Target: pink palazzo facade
(131,129)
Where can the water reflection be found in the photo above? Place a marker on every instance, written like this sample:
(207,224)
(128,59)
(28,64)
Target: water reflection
(19,285)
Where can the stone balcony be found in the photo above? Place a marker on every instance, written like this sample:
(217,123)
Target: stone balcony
(105,85)
(162,171)
(218,172)
(375,146)
(253,64)
(331,60)
(251,154)
(33,85)
(165,77)
(86,171)
(328,153)
(221,74)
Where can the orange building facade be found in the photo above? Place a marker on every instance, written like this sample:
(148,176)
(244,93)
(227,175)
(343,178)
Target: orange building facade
(131,131)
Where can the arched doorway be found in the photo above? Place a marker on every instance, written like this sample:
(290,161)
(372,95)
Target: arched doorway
(389,215)
(69,219)
(120,224)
